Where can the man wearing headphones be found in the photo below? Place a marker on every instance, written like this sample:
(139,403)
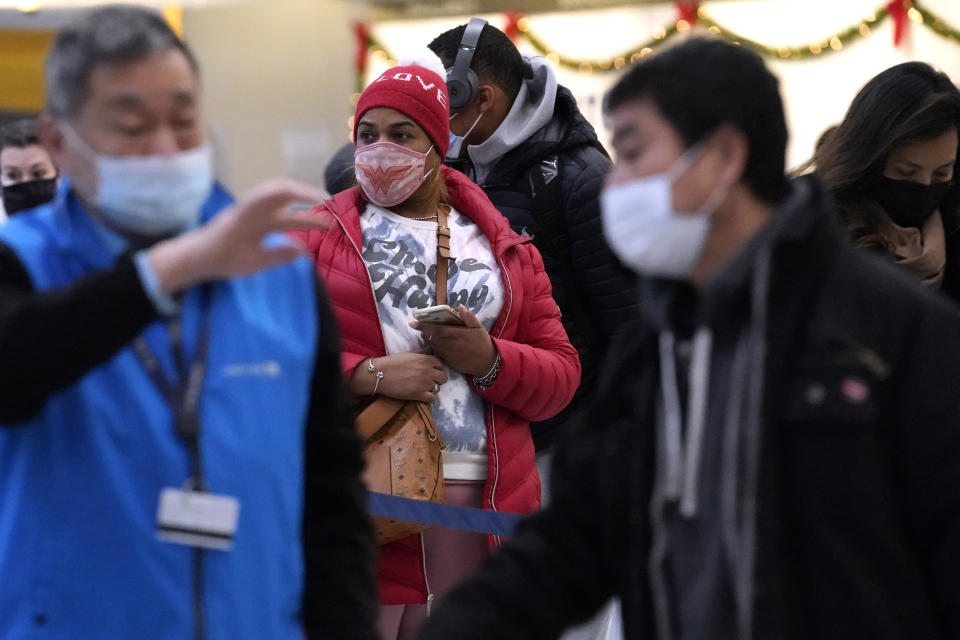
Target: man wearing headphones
(520,136)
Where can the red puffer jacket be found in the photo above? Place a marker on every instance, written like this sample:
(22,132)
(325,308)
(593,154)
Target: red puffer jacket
(538,376)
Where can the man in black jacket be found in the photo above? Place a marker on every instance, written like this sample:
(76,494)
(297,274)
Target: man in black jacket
(777,454)
(520,134)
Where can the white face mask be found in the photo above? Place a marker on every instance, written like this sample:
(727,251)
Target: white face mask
(645,231)
(152,196)
(456,142)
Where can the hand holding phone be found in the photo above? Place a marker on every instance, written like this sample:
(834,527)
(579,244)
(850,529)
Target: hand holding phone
(457,337)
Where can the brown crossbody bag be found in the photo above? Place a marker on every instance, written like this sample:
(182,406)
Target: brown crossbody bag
(403,445)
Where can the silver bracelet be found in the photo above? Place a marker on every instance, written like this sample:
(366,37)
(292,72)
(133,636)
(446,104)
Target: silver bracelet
(372,369)
(487,381)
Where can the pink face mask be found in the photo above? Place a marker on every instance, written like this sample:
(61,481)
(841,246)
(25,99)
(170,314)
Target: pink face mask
(389,173)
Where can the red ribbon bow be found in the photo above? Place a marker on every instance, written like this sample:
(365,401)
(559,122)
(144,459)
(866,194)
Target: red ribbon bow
(512,27)
(688,11)
(362,33)
(898,11)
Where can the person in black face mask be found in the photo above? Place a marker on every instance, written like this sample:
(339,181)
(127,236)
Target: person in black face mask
(27,173)
(891,166)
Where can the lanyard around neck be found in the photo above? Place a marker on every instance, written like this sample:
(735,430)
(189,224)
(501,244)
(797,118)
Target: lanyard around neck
(183,397)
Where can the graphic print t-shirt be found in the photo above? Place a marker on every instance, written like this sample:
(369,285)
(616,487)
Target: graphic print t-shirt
(401,258)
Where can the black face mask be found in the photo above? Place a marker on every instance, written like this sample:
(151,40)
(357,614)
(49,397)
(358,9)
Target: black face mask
(27,195)
(909,204)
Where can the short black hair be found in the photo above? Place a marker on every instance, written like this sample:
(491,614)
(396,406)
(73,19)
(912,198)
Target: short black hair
(339,175)
(115,34)
(496,60)
(704,83)
(19,133)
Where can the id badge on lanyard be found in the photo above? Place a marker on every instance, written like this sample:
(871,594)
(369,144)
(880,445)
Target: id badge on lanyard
(190,515)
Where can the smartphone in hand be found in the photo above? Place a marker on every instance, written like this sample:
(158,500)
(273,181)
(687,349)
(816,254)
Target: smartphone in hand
(440,314)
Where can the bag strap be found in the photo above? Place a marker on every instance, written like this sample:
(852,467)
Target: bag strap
(443,254)
(383,409)
(377,414)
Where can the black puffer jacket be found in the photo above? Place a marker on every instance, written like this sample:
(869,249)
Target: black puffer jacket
(858,511)
(604,285)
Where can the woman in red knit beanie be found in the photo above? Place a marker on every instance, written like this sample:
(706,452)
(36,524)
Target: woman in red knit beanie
(509,364)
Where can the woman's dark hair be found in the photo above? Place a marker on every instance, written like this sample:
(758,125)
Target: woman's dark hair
(908,103)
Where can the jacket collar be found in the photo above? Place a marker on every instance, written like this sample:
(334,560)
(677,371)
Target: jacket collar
(95,245)
(465,196)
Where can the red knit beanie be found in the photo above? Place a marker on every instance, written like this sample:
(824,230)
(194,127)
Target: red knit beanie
(416,92)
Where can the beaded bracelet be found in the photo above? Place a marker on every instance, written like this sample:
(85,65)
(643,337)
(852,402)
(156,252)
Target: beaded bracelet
(487,381)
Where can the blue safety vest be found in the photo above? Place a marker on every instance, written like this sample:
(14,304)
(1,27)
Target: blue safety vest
(79,483)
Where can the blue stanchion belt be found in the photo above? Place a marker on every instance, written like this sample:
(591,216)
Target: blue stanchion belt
(496,523)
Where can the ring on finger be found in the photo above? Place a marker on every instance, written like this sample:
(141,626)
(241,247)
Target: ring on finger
(436,387)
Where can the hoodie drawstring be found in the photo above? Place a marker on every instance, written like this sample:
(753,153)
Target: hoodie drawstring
(683,448)
(683,458)
(672,417)
(696,420)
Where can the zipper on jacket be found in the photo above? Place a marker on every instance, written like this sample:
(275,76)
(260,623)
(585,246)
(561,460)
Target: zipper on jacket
(423,549)
(373,291)
(493,420)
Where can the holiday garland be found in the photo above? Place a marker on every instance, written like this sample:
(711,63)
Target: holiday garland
(831,44)
(937,24)
(690,13)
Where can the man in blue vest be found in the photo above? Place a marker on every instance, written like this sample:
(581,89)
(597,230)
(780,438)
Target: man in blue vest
(177,457)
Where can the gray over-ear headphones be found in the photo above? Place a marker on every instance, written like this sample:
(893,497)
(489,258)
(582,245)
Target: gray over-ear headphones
(461,80)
